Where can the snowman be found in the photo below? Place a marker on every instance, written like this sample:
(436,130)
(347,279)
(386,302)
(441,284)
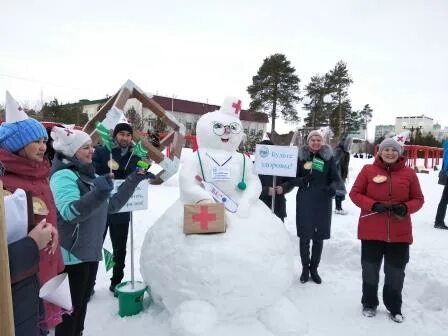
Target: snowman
(229,283)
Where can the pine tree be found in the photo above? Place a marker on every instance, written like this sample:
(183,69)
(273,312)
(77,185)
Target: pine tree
(339,81)
(319,108)
(275,89)
(134,118)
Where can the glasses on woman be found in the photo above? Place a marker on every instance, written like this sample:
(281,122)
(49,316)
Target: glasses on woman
(220,129)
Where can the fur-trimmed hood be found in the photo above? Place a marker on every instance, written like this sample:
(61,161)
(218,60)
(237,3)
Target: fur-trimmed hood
(325,152)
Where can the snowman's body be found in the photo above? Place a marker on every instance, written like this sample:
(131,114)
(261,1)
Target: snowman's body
(232,275)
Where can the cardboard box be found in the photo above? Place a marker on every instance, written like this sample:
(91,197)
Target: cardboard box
(204,218)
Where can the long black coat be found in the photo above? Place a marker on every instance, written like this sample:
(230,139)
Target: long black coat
(24,264)
(314,199)
(280,200)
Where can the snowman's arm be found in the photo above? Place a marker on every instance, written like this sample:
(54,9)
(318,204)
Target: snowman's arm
(191,191)
(253,184)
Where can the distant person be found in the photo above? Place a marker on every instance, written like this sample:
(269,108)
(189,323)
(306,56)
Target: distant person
(316,179)
(387,192)
(342,159)
(443,180)
(282,186)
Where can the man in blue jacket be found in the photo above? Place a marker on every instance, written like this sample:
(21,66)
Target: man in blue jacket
(122,163)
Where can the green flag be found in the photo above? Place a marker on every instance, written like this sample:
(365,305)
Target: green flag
(139,150)
(318,165)
(108,259)
(104,135)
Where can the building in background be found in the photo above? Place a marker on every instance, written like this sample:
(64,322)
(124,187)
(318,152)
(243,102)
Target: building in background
(383,131)
(187,112)
(424,123)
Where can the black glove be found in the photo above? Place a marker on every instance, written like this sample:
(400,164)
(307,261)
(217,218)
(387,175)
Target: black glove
(400,210)
(380,207)
(144,174)
(104,183)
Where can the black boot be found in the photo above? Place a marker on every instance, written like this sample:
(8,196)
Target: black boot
(305,276)
(441,226)
(315,275)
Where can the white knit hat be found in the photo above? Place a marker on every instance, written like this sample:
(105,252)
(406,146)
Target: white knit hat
(67,141)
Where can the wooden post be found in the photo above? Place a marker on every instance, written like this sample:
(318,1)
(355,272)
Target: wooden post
(6,314)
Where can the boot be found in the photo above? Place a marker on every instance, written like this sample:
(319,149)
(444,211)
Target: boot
(315,275)
(441,226)
(305,276)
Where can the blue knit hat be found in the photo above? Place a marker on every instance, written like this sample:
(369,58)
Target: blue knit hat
(14,136)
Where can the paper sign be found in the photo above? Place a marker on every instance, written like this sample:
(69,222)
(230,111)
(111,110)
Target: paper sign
(138,200)
(276,160)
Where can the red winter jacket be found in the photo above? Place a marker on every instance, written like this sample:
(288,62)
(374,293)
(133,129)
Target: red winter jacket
(32,177)
(401,186)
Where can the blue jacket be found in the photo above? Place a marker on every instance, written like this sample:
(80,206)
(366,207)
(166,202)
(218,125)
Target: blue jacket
(82,208)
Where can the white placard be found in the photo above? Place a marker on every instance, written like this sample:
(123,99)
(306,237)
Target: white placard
(138,200)
(276,160)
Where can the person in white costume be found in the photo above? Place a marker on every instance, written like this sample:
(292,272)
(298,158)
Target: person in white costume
(211,283)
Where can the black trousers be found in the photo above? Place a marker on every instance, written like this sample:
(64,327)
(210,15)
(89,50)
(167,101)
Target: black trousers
(119,236)
(316,252)
(338,201)
(81,278)
(396,256)
(441,209)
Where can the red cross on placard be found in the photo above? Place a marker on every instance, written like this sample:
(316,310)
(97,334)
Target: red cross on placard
(400,138)
(68,132)
(237,106)
(203,217)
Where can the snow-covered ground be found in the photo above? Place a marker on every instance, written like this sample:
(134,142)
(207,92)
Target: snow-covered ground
(332,308)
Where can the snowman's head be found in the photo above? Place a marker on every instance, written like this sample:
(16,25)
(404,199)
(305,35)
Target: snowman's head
(221,129)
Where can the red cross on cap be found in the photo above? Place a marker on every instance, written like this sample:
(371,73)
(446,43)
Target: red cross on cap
(237,106)
(68,132)
(400,138)
(203,217)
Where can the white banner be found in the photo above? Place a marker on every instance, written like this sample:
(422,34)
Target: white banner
(276,160)
(138,200)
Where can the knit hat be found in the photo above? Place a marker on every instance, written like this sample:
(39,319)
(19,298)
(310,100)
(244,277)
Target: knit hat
(67,141)
(314,133)
(390,142)
(19,130)
(122,126)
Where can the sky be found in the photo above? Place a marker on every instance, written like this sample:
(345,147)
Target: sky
(396,51)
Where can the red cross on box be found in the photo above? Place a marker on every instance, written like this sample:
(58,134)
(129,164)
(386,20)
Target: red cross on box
(68,131)
(203,217)
(209,216)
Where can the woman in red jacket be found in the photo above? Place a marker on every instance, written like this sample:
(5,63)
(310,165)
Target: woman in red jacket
(387,192)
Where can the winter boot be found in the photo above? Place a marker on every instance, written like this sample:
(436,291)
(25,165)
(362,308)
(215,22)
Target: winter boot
(398,318)
(315,275)
(369,311)
(305,276)
(441,226)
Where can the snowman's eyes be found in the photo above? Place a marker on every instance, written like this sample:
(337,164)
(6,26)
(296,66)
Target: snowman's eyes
(220,129)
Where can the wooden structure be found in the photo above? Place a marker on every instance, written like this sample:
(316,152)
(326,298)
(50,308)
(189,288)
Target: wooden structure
(176,138)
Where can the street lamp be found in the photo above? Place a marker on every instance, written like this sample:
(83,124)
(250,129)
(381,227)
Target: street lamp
(412,129)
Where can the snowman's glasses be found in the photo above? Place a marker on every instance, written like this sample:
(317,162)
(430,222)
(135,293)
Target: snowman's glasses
(220,129)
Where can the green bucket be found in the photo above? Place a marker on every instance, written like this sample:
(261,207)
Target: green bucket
(130,300)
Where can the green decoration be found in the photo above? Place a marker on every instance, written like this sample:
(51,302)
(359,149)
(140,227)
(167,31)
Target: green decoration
(104,135)
(139,150)
(318,165)
(108,259)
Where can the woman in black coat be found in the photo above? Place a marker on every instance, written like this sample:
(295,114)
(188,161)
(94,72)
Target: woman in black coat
(283,185)
(317,178)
